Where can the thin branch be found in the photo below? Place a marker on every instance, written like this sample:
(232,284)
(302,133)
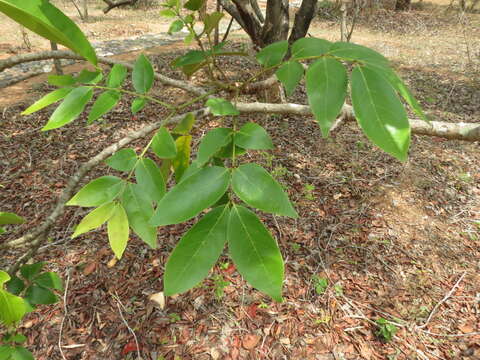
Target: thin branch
(120,305)
(65,315)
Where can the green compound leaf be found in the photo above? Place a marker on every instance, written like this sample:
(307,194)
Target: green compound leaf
(123,160)
(211,21)
(379,112)
(117,76)
(175,26)
(19,353)
(326,83)
(104,103)
(118,230)
(49,280)
(38,295)
(89,77)
(150,179)
(142,75)
(97,192)
(12,308)
(185,125)
(290,75)
(168,13)
(46,20)
(272,54)
(256,187)
(61,80)
(190,58)
(163,144)
(192,195)
(47,100)
(138,206)
(70,108)
(94,219)
(254,137)
(255,252)
(197,252)
(221,107)
(309,47)
(7,218)
(15,285)
(354,52)
(213,141)
(29,271)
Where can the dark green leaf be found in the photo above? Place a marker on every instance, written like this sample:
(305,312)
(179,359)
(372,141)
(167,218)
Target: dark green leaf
(20,353)
(94,219)
(29,271)
(196,193)
(190,58)
(7,218)
(123,160)
(185,125)
(228,151)
(150,179)
(5,352)
(255,252)
(49,280)
(193,5)
(89,77)
(142,75)
(211,21)
(138,104)
(138,207)
(379,112)
(197,252)
(253,136)
(47,100)
(45,19)
(309,47)
(175,26)
(15,285)
(39,295)
(272,54)
(290,75)
(12,308)
(117,76)
(61,80)
(104,103)
(97,192)
(256,187)
(221,107)
(70,108)
(353,52)
(181,162)
(326,83)
(213,141)
(118,230)
(163,144)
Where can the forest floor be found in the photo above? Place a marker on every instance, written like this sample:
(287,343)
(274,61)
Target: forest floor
(375,238)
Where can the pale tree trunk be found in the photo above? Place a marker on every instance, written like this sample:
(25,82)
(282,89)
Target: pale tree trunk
(403,5)
(85,10)
(56,62)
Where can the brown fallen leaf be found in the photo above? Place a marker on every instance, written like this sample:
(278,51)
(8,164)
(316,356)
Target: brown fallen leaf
(250,341)
(90,268)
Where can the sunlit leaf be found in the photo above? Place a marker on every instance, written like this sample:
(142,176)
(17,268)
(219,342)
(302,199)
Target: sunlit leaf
(97,192)
(118,230)
(122,160)
(94,219)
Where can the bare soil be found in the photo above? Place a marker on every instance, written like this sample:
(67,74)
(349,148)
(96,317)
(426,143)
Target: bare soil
(395,241)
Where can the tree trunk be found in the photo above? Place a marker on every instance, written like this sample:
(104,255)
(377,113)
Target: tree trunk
(303,18)
(56,62)
(403,5)
(276,24)
(85,10)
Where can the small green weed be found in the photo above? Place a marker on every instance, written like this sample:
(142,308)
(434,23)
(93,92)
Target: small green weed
(386,330)
(219,285)
(308,191)
(174,317)
(320,284)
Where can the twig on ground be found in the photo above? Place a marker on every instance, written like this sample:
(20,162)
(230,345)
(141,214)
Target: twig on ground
(120,306)
(445,298)
(65,315)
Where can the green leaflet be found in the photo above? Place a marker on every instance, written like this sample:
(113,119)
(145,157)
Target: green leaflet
(175,26)
(70,108)
(168,13)
(326,83)
(190,58)
(181,161)
(254,137)
(37,295)
(221,107)
(89,77)
(197,252)
(309,47)
(30,271)
(150,179)
(142,75)
(46,20)
(138,104)
(97,192)
(290,75)
(163,144)
(272,54)
(138,207)
(104,103)
(15,353)
(185,125)
(118,230)
(193,5)
(61,80)
(211,21)
(47,100)
(213,141)
(12,308)
(7,218)
(354,52)
(123,160)
(256,187)
(94,219)
(255,252)
(49,280)
(192,195)
(117,76)
(379,112)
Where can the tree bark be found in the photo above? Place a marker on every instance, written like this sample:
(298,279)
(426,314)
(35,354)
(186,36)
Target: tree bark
(112,4)
(403,5)
(276,24)
(252,25)
(85,10)
(303,19)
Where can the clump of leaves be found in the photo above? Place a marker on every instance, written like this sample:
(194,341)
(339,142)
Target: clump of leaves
(386,330)
(320,284)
